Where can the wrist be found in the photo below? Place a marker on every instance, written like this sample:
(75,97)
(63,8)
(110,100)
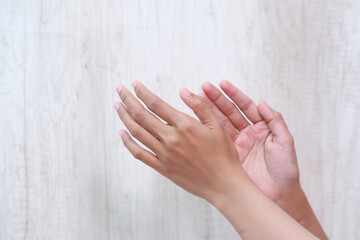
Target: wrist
(295,204)
(238,204)
(254,216)
(232,188)
(298,207)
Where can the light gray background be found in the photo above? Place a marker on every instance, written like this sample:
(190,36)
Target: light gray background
(64,173)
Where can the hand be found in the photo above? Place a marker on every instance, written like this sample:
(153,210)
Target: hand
(183,149)
(265,146)
(266,150)
(201,158)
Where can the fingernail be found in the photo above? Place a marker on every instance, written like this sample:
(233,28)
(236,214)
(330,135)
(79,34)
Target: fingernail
(118,89)
(121,132)
(133,84)
(186,92)
(117,106)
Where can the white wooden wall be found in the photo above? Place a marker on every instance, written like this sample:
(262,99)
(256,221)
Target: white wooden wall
(64,173)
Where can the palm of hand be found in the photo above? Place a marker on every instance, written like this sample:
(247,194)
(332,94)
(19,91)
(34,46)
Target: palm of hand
(265,147)
(271,166)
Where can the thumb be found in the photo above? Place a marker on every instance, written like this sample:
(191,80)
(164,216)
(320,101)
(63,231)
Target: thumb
(276,124)
(199,106)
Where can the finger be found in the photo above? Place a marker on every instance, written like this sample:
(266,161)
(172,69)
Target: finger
(225,106)
(276,124)
(246,105)
(156,104)
(225,122)
(142,116)
(139,153)
(201,109)
(137,131)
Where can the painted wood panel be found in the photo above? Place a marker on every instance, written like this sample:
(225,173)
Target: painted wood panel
(64,173)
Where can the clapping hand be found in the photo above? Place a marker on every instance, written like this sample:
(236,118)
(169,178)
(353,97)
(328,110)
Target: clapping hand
(265,146)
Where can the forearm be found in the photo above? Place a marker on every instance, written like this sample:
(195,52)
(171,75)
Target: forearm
(254,216)
(298,207)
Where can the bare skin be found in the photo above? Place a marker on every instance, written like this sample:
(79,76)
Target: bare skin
(183,151)
(266,150)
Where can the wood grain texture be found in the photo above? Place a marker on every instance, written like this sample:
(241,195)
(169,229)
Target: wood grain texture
(64,173)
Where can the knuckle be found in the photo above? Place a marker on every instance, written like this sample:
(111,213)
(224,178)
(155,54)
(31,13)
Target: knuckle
(135,132)
(185,126)
(218,96)
(137,154)
(164,157)
(121,115)
(232,93)
(172,141)
(229,111)
(199,106)
(138,114)
(166,171)
(246,105)
(123,97)
(199,102)
(126,142)
(154,104)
